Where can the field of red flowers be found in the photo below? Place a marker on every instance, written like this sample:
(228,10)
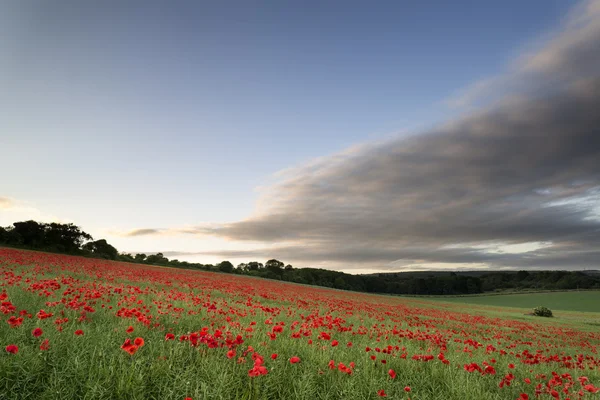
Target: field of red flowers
(74,327)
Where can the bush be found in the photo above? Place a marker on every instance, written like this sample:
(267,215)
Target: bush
(542,312)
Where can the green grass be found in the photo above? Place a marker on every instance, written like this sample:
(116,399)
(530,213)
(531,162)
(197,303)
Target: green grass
(587,301)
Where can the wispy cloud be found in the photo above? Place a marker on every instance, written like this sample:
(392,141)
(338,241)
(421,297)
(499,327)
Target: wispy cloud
(6,203)
(489,176)
(140,232)
(546,66)
(14,210)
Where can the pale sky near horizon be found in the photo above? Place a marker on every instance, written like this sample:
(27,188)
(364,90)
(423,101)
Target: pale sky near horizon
(355,136)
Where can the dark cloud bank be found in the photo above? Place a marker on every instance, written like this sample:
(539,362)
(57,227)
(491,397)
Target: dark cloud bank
(524,169)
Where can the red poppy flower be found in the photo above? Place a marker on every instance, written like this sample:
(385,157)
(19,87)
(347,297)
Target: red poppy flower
(132,349)
(169,336)
(294,360)
(392,374)
(129,330)
(381,393)
(45,345)
(231,354)
(12,348)
(37,332)
(139,342)
(78,332)
(407,388)
(273,356)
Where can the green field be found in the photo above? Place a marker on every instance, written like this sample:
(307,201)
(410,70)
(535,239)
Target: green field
(588,301)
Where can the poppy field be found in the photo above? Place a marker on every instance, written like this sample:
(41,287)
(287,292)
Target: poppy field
(73,327)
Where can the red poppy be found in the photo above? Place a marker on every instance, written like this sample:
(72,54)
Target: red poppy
(273,356)
(392,374)
(37,332)
(78,332)
(129,330)
(139,342)
(45,345)
(381,393)
(294,360)
(407,388)
(231,354)
(12,348)
(169,336)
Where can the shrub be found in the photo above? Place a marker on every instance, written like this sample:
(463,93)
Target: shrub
(542,311)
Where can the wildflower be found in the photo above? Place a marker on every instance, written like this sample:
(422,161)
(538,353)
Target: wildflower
(12,348)
(37,332)
(45,345)
(407,389)
(392,373)
(139,342)
(169,336)
(334,343)
(129,330)
(231,354)
(381,393)
(273,356)
(294,360)
(78,332)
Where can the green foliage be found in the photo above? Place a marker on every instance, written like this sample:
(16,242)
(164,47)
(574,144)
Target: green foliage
(62,238)
(225,266)
(101,249)
(542,311)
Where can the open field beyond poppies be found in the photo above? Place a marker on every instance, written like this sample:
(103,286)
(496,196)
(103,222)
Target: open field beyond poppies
(73,327)
(584,301)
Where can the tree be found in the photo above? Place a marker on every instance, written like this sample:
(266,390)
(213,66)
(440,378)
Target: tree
(140,257)
(225,266)
(64,237)
(157,258)
(274,265)
(125,257)
(254,266)
(289,267)
(31,233)
(101,248)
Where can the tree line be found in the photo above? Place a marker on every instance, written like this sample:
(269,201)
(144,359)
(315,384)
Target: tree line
(71,239)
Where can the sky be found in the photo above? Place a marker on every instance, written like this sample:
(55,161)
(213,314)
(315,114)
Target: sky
(347,135)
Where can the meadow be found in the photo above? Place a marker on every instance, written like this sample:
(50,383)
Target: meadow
(583,301)
(73,327)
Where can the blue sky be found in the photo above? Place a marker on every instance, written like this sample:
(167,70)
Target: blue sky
(172,114)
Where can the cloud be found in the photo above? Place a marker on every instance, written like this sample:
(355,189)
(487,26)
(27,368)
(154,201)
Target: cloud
(14,210)
(140,232)
(547,65)
(523,169)
(6,203)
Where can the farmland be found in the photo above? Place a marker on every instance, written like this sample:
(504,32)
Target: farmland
(584,301)
(73,327)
